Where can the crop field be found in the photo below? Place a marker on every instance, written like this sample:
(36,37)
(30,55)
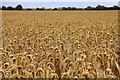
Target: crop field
(60,44)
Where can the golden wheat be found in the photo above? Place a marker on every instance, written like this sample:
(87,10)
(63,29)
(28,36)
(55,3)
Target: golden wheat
(60,44)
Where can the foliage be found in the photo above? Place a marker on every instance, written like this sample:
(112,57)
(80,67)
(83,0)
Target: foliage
(9,8)
(3,8)
(98,7)
(19,7)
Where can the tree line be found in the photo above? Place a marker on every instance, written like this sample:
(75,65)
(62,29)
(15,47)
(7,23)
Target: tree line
(98,7)
(18,7)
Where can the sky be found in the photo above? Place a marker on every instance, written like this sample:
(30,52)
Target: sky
(59,3)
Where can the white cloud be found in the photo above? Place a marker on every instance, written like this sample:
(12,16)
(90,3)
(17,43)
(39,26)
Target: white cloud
(60,1)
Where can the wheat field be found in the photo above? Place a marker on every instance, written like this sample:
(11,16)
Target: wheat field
(60,44)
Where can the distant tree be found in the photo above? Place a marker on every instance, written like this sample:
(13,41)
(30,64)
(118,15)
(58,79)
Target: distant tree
(19,7)
(100,7)
(37,8)
(73,8)
(43,8)
(115,7)
(64,8)
(79,8)
(55,9)
(3,8)
(48,9)
(68,8)
(9,8)
(89,8)
(29,9)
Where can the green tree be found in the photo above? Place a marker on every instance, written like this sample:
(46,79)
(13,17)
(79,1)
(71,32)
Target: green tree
(115,7)
(19,7)
(100,7)
(3,8)
(9,8)
(55,9)
(89,8)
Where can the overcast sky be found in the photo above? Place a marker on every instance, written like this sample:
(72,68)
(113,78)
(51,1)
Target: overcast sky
(60,0)
(58,3)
